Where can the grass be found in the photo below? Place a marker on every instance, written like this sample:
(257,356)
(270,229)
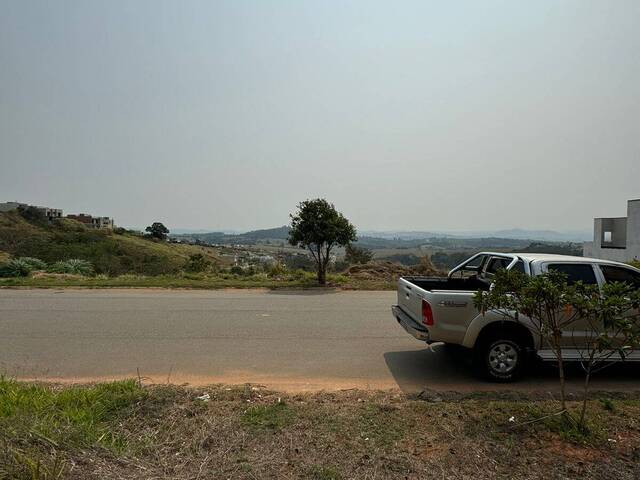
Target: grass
(109,252)
(268,417)
(198,281)
(121,430)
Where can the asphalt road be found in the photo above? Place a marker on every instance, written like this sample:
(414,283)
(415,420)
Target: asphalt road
(285,340)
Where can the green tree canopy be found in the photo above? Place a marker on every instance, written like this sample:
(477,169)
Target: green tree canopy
(157,230)
(318,227)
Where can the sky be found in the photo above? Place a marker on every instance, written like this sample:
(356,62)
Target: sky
(413,115)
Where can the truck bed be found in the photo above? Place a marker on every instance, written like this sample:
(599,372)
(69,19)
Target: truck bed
(444,283)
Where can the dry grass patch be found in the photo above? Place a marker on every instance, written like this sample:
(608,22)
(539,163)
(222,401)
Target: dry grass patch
(249,432)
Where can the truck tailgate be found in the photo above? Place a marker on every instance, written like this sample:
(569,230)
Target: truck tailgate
(452,310)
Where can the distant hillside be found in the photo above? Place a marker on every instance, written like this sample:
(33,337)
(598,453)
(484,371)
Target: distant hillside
(109,252)
(248,238)
(513,234)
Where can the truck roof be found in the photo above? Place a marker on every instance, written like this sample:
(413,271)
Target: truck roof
(543,257)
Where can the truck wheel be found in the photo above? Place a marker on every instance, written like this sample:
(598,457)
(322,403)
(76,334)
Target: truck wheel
(501,359)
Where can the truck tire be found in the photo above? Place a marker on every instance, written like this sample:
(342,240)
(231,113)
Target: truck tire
(500,359)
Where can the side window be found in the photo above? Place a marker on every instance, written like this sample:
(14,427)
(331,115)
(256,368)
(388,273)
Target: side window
(620,274)
(576,272)
(497,263)
(518,267)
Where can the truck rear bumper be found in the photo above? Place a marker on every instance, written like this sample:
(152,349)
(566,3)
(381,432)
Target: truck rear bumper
(412,327)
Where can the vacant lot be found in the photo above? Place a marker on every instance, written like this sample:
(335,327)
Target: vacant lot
(123,430)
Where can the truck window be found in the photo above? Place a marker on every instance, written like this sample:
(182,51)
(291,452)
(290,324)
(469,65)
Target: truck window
(497,263)
(576,272)
(476,262)
(518,267)
(620,274)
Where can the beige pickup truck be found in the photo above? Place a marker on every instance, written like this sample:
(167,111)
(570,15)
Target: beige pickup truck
(435,309)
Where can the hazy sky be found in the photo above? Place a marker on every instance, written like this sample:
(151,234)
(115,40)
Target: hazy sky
(406,115)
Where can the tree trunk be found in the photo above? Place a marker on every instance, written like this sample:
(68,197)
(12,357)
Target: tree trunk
(322,274)
(587,378)
(557,339)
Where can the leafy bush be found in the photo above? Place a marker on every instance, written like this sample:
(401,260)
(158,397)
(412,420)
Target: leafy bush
(34,263)
(21,267)
(197,263)
(74,266)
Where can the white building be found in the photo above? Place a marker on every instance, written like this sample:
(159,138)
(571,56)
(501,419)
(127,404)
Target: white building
(50,213)
(616,238)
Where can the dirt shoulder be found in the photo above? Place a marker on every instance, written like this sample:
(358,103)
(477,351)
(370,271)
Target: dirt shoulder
(122,430)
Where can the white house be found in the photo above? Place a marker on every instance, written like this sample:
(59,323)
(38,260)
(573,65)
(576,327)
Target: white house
(616,238)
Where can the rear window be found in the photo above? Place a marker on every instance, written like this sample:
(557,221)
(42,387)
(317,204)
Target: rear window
(576,272)
(620,274)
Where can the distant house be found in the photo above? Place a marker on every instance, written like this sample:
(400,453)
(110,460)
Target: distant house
(50,213)
(92,222)
(616,238)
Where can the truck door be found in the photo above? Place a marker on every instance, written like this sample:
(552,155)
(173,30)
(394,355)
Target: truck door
(577,334)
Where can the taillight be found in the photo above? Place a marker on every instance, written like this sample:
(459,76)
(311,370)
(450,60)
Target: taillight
(427,313)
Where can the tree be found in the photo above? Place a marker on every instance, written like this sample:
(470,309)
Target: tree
(157,230)
(549,306)
(318,227)
(355,254)
(613,328)
(542,302)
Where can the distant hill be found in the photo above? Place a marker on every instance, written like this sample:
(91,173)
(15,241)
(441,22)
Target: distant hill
(514,233)
(248,238)
(514,238)
(109,252)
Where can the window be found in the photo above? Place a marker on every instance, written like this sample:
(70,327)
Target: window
(620,274)
(497,263)
(607,237)
(575,272)
(518,267)
(476,262)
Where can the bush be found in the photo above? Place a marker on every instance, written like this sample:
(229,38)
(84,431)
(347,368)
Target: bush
(277,270)
(74,266)
(16,268)
(34,263)
(197,263)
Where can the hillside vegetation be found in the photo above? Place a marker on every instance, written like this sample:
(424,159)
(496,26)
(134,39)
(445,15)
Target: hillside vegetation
(109,252)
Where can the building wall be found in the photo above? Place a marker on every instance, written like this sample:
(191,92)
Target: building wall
(633,229)
(624,244)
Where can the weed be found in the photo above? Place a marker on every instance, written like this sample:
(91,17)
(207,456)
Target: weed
(318,472)
(608,404)
(268,417)
(75,415)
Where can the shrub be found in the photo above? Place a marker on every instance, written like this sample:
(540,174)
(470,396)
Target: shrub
(277,270)
(74,266)
(15,268)
(34,263)
(197,263)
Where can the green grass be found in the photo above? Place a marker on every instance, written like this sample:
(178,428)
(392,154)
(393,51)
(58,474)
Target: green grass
(109,253)
(75,416)
(198,281)
(268,417)
(319,472)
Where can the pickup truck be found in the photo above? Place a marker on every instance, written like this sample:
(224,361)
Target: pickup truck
(434,309)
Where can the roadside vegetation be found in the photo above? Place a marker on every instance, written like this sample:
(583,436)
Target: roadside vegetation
(125,430)
(606,316)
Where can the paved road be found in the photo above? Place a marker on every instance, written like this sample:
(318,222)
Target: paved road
(285,340)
